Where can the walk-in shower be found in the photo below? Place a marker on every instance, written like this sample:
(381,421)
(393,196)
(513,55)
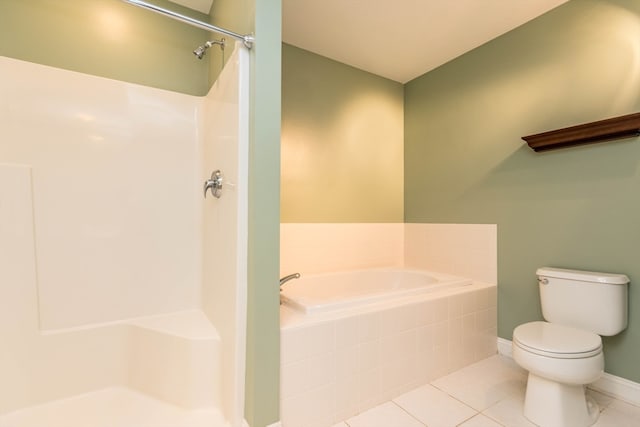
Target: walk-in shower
(122,304)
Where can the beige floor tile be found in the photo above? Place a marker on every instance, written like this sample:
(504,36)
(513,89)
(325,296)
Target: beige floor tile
(619,414)
(509,412)
(434,407)
(485,383)
(386,415)
(480,421)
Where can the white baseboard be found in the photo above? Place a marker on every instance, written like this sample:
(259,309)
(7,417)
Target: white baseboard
(504,347)
(611,385)
(618,387)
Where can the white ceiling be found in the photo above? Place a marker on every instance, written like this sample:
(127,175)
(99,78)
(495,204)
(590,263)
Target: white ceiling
(402,39)
(203,6)
(399,39)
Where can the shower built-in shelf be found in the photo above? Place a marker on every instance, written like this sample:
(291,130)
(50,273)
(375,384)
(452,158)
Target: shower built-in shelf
(604,130)
(152,371)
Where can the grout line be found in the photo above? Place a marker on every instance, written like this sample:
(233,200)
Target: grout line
(467,419)
(493,419)
(407,412)
(455,398)
(466,404)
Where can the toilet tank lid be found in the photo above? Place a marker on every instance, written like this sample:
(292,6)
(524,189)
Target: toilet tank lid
(583,276)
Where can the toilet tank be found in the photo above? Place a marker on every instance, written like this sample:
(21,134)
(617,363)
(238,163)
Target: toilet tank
(588,300)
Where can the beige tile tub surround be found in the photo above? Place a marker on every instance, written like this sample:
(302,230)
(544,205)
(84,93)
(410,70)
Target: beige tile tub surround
(468,250)
(323,248)
(335,368)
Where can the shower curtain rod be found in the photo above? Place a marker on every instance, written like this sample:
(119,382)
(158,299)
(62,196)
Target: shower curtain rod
(248,40)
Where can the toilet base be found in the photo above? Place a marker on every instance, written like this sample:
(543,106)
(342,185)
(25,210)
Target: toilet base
(552,404)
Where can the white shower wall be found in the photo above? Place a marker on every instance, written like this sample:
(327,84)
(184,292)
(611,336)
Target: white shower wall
(225,131)
(114,271)
(116,189)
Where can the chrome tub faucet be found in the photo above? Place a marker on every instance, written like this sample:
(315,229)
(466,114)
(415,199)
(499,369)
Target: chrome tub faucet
(285,279)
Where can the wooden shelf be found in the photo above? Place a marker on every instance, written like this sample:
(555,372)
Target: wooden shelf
(604,130)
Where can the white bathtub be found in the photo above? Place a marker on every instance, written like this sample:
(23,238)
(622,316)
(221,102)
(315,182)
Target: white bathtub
(352,340)
(323,293)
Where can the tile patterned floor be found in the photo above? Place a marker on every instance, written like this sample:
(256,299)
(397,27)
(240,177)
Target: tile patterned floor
(489,393)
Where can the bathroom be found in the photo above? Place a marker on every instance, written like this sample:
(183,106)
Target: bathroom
(458,143)
(572,208)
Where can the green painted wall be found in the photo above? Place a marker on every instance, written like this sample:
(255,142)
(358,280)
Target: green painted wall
(342,142)
(575,207)
(237,16)
(110,38)
(263,367)
(106,38)
(263,19)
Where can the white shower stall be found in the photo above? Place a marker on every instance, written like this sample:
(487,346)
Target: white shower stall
(122,289)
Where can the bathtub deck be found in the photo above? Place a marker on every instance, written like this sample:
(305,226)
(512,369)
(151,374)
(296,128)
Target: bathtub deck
(112,407)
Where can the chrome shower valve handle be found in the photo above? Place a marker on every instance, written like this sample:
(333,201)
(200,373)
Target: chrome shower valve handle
(214,183)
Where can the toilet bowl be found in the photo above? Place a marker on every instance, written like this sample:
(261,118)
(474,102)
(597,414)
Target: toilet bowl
(560,361)
(564,353)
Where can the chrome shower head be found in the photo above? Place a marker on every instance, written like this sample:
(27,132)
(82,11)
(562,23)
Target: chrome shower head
(201,50)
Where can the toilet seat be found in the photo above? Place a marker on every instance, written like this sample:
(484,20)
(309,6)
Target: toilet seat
(557,341)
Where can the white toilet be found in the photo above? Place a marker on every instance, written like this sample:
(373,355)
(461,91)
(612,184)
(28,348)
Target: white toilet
(564,353)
